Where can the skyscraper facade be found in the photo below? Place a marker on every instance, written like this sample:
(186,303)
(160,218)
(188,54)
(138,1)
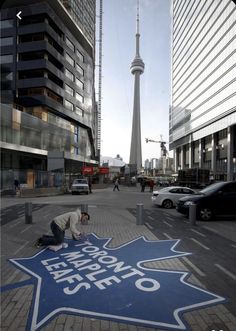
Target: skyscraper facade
(47,87)
(202,128)
(137,68)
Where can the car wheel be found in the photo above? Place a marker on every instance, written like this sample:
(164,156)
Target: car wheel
(167,204)
(87,193)
(205,214)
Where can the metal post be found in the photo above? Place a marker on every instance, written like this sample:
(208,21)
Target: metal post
(192,214)
(28,213)
(84,208)
(139,214)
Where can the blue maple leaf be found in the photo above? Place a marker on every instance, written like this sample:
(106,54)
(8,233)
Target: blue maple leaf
(91,279)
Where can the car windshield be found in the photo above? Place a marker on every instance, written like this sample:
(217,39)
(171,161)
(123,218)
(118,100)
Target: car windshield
(164,189)
(212,188)
(80,181)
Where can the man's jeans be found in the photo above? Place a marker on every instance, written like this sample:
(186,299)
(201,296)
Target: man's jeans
(58,237)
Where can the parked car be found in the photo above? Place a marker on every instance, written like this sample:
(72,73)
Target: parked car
(167,197)
(80,186)
(218,199)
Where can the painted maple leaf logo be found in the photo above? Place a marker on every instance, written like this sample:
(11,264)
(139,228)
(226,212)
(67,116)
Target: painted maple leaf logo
(90,279)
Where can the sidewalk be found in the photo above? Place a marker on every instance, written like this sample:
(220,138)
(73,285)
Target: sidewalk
(119,224)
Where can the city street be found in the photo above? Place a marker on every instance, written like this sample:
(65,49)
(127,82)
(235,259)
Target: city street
(113,214)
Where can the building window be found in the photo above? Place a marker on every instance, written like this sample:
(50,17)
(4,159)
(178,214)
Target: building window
(79,97)
(69,105)
(79,69)
(80,56)
(69,90)
(6,41)
(69,75)
(70,60)
(70,44)
(79,111)
(79,83)
(6,58)
(6,24)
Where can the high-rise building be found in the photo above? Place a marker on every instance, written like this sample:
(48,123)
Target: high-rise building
(48,115)
(83,13)
(137,68)
(203,111)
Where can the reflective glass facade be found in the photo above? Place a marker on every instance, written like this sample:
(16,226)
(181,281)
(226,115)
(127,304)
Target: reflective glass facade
(84,14)
(203,73)
(47,79)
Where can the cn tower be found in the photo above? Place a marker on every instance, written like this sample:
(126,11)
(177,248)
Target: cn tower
(136,68)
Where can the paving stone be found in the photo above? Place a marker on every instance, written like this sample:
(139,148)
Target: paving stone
(86,324)
(10,318)
(95,324)
(61,319)
(69,323)
(105,325)
(59,327)
(7,310)
(114,326)
(16,323)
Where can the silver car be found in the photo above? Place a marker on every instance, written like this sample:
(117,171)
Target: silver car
(80,186)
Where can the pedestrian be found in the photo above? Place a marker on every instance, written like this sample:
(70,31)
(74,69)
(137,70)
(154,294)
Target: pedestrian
(151,184)
(61,223)
(16,185)
(116,185)
(90,184)
(143,184)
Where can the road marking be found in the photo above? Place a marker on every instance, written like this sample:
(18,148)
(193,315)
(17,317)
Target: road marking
(210,229)
(151,218)
(227,272)
(167,236)
(200,244)
(13,225)
(198,271)
(234,246)
(200,234)
(171,226)
(149,226)
(28,227)
(19,249)
(46,215)
(170,218)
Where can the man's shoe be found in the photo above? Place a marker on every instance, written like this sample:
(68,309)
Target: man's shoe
(38,243)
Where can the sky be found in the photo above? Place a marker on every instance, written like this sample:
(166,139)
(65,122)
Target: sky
(119,29)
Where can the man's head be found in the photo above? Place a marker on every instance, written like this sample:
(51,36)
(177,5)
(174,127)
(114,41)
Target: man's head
(84,217)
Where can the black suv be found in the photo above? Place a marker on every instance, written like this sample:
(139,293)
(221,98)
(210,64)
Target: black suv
(218,199)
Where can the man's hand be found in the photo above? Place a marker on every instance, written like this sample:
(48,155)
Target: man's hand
(76,237)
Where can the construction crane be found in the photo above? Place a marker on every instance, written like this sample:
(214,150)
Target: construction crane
(164,151)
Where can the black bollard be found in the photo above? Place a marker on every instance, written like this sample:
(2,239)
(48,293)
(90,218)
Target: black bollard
(139,214)
(84,208)
(28,213)
(192,214)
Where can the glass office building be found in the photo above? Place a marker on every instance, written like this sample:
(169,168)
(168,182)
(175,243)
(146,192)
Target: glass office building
(83,14)
(47,87)
(202,127)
